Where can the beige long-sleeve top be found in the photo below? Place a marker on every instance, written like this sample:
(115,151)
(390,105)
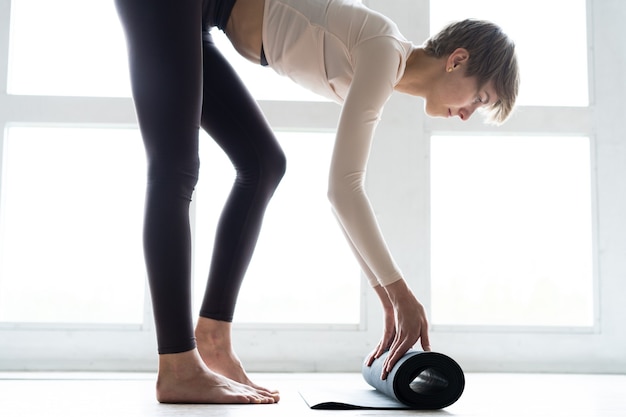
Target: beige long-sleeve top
(354,56)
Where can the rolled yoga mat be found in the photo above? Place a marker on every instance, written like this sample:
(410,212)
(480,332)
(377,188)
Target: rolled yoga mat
(419,380)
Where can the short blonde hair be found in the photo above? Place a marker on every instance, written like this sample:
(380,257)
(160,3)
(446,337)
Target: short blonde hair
(492,57)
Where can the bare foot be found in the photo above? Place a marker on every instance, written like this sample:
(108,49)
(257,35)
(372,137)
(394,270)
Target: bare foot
(215,347)
(184,378)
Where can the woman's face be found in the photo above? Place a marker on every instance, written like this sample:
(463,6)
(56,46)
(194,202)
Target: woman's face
(459,96)
(453,94)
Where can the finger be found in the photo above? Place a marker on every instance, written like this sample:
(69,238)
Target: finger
(384,372)
(382,348)
(375,354)
(425,341)
(395,354)
(386,368)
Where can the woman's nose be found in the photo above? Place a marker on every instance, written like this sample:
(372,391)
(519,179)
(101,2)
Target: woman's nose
(465,114)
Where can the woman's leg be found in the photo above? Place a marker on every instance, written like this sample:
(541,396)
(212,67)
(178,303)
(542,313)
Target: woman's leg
(164,42)
(233,119)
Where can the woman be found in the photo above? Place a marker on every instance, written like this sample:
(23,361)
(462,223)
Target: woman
(337,48)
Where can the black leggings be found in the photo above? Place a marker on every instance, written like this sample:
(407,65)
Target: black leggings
(180,81)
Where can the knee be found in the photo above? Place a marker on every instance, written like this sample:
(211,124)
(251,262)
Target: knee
(270,172)
(265,173)
(278,168)
(179,177)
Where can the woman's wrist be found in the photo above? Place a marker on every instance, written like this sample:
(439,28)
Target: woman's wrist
(398,291)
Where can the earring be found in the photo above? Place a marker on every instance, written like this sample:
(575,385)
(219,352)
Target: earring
(449,69)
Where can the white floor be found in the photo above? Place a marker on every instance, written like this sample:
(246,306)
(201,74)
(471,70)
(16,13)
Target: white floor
(486,395)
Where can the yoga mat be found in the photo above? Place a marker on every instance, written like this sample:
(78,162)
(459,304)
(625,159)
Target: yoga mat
(419,380)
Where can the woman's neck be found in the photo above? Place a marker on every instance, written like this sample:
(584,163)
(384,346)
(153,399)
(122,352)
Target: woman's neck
(420,72)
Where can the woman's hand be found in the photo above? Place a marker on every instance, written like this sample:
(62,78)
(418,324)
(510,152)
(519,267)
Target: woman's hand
(389,330)
(405,324)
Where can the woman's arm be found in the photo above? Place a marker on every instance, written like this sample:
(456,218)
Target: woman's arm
(389,316)
(375,75)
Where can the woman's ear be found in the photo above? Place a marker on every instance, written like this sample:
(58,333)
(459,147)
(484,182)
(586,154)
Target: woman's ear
(458,57)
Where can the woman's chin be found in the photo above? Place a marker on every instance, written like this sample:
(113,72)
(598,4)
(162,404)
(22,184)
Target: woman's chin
(442,113)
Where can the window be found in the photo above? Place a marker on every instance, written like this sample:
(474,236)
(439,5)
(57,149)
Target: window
(511,217)
(53,53)
(96,66)
(71,261)
(529,289)
(70,226)
(511,231)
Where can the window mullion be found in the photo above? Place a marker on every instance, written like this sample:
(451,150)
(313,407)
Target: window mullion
(301,115)
(69,110)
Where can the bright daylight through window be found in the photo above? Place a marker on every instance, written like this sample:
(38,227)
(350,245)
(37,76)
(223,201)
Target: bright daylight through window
(511,231)
(296,263)
(511,217)
(70,230)
(47,58)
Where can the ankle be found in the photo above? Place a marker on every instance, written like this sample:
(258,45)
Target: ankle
(214,332)
(181,364)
